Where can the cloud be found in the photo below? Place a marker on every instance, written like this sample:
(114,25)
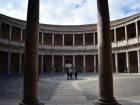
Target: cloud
(69,11)
(123,8)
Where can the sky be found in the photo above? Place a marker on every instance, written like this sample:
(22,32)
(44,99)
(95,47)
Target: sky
(69,12)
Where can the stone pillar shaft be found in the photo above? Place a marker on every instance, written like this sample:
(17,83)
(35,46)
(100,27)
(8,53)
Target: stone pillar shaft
(73,61)
(94,39)
(95,63)
(63,39)
(116,62)
(53,39)
(84,63)
(9,63)
(138,56)
(21,35)
(126,36)
(0,26)
(63,62)
(20,63)
(42,63)
(115,35)
(31,55)
(73,39)
(137,31)
(10,33)
(53,63)
(83,39)
(127,62)
(105,55)
(42,38)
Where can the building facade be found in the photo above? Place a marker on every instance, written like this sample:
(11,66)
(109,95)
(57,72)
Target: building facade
(75,44)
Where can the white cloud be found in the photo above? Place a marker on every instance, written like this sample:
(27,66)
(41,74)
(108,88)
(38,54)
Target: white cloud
(69,11)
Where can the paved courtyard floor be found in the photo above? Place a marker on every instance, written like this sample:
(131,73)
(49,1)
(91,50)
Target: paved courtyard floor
(55,89)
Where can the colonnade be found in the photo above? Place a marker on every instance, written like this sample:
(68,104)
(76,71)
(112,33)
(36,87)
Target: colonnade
(123,62)
(119,33)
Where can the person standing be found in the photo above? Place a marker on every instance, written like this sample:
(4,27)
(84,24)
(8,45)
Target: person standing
(75,74)
(71,73)
(67,72)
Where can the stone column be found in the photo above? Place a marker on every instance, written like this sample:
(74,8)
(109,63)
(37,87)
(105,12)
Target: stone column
(9,54)
(106,96)
(0,26)
(63,62)
(94,39)
(53,39)
(83,39)
(127,63)
(84,63)
(10,33)
(73,39)
(115,36)
(63,39)
(20,63)
(95,64)
(9,63)
(126,36)
(138,57)
(42,38)
(31,55)
(73,61)
(52,63)
(42,63)
(21,35)
(116,62)
(137,32)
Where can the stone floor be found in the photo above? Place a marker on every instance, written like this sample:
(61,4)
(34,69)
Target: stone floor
(55,89)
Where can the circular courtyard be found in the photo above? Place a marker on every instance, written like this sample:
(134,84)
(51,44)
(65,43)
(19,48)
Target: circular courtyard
(55,89)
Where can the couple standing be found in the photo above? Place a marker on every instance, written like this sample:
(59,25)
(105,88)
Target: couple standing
(70,72)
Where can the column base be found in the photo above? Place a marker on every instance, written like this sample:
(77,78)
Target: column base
(38,103)
(106,102)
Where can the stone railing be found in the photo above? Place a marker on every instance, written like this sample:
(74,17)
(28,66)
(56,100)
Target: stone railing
(87,47)
(121,43)
(72,48)
(133,40)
